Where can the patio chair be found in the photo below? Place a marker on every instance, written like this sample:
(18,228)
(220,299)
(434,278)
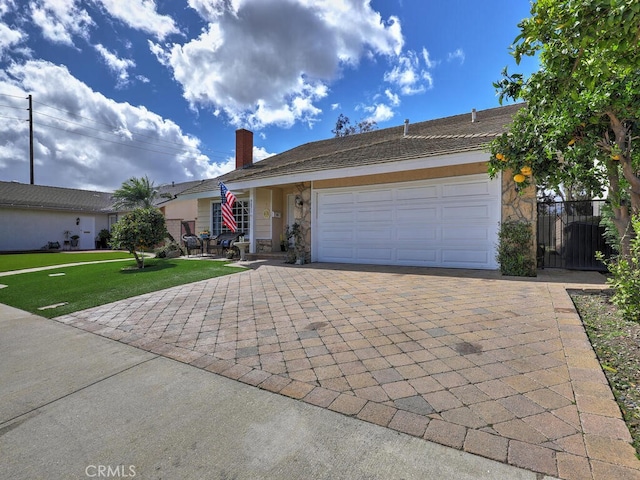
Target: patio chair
(191,242)
(225,241)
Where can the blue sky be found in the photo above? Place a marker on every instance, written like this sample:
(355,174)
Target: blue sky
(158,88)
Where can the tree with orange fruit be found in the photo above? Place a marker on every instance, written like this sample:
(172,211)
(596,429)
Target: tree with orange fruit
(580,119)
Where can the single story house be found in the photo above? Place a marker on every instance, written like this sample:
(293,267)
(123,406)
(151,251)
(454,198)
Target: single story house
(416,194)
(33,216)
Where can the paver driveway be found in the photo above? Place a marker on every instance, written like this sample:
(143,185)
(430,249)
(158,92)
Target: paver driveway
(497,367)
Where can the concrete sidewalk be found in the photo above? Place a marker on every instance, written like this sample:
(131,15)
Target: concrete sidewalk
(77,405)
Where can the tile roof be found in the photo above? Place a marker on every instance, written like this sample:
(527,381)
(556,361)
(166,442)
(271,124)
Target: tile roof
(22,195)
(424,139)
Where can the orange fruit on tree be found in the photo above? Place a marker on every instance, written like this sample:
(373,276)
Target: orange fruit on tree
(615,157)
(526,170)
(519,178)
(499,156)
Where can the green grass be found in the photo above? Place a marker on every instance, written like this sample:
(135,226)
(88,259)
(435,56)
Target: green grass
(20,261)
(87,286)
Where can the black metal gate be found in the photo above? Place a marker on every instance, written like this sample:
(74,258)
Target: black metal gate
(569,235)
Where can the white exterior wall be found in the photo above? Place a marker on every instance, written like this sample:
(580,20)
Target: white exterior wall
(24,229)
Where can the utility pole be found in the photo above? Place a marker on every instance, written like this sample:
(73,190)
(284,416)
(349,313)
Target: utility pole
(31,139)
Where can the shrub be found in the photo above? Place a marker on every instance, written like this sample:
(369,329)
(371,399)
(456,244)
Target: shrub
(515,249)
(170,250)
(625,277)
(141,229)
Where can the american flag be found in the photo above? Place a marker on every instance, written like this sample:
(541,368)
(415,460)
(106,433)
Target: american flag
(228,199)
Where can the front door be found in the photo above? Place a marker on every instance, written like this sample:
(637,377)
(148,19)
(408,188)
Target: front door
(87,233)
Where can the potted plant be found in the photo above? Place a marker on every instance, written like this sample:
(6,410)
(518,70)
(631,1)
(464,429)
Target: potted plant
(104,236)
(65,244)
(297,255)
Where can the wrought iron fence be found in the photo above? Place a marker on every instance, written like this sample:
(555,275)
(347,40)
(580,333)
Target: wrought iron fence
(570,234)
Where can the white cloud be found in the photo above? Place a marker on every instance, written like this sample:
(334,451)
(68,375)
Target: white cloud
(60,20)
(117,65)
(265,62)
(379,112)
(428,63)
(6,6)
(87,140)
(335,106)
(457,55)
(408,75)
(260,153)
(9,38)
(393,97)
(141,15)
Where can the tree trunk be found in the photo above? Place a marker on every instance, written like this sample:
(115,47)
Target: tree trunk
(622,211)
(139,259)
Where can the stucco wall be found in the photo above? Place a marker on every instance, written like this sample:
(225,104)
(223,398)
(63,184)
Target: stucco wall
(181,210)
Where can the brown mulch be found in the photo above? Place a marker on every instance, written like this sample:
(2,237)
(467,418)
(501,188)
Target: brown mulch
(616,342)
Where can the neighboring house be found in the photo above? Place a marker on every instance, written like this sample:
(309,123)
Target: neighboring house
(34,215)
(416,195)
(177,209)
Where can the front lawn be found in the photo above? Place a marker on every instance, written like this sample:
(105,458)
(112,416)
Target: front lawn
(21,261)
(87,286)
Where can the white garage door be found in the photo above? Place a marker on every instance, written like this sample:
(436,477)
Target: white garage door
(451,222)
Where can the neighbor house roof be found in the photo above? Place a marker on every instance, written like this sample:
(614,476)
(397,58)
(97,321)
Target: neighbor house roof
(22,195)
(431,138)
(173,189)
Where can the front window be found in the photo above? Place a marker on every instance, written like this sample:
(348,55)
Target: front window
(240,212)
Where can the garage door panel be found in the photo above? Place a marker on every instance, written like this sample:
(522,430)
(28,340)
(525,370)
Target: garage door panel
(330,235)
(375,234)
(420,234)
(374,255)
(337,218)
(375,196)
(417,193)
(338,253)
(458,213)
(338,198)
(465,190)
(415,215)
(466,234)
(465,257)
(374,215)
(421,255)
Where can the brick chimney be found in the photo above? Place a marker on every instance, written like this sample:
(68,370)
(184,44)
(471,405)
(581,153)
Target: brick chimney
(244,148)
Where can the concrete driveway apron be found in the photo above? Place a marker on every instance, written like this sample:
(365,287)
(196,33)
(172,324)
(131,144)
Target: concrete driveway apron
(494,366)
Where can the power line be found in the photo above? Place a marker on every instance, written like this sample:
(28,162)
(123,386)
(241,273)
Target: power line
(13,106)
(12,96)
(14,118)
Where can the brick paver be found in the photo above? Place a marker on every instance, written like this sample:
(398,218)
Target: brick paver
(494,366)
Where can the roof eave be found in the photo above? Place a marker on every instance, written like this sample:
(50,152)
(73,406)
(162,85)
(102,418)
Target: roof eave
(399,165)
